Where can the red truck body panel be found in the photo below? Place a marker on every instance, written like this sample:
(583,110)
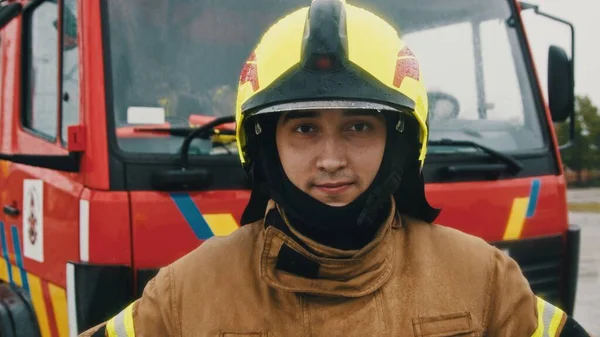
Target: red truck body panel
(166,226)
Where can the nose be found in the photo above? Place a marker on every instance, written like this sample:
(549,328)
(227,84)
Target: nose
(332,157)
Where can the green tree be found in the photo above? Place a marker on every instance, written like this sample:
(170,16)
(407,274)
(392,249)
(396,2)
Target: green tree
(583,155)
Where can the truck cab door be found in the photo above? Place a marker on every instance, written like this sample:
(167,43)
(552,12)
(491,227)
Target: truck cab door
(41,206)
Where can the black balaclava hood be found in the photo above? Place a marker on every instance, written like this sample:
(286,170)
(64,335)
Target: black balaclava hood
(347,227)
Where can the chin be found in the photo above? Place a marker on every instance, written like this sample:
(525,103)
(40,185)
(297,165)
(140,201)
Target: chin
(336,204)
(339,200)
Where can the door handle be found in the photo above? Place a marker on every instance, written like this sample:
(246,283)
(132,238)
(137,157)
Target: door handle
(12,211)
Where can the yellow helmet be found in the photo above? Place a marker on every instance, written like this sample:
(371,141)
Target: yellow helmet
(330,55)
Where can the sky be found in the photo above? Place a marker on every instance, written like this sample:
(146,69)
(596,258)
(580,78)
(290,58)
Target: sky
(584,14)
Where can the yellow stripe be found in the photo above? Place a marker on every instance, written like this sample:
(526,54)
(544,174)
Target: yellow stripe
(539,331)
(110,328)
(221,224)
(3,270)
(4,171)
(556,319)
(516,219)
(16,273)
(128,321)
(58,296)
(39,305)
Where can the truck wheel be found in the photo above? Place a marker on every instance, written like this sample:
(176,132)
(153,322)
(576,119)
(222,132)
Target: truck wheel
(17,318)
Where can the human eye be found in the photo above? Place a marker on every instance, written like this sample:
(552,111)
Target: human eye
(304,128)
(359,127)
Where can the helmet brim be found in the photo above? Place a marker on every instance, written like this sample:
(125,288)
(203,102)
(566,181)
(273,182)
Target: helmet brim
(326,105)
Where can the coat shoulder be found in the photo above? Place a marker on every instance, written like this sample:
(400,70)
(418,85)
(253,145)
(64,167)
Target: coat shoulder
(457,255)
(447,239)
(216,255)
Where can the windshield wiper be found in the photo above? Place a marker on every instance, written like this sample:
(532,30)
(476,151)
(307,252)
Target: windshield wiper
(184,132)
(513,166)
(208,127)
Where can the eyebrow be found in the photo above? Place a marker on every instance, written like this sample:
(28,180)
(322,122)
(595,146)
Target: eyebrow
(288,117)
(362,113)
(314,113)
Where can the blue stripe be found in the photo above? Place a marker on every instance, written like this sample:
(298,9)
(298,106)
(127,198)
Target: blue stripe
(17,245)
(5,253)
(533,197)
(192,215)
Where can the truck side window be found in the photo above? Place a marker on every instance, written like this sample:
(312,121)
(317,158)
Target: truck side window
(70,68)
(41,114)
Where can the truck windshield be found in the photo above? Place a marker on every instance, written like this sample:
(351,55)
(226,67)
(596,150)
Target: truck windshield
(176,63)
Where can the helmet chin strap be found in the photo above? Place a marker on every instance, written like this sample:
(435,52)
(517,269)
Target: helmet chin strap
(381,193)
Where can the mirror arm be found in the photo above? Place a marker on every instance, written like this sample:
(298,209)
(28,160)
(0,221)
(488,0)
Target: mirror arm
(566,145)
(536,9)
(571,141)
(571,26)
(557,19)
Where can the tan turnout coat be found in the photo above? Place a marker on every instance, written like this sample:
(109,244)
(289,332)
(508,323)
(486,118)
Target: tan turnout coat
(413,279)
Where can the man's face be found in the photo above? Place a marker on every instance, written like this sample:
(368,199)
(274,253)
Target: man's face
(332,155)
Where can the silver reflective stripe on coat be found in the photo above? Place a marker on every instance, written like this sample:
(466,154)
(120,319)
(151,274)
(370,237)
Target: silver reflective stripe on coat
(122,324)
(549,319)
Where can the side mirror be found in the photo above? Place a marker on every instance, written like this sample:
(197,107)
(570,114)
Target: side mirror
(561,92)
(9,12)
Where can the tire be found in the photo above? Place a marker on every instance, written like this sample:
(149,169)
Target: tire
(17,318)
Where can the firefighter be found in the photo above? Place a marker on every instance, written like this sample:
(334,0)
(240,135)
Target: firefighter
(338,237)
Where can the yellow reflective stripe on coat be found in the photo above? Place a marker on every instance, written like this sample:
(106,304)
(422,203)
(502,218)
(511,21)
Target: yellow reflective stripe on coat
(549,319)
(122,324)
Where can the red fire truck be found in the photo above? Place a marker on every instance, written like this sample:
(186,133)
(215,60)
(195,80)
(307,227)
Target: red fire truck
(117,156)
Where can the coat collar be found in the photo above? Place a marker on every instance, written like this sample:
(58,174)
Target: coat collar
(292,262)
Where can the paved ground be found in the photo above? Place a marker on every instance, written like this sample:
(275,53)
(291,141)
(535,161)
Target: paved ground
(587,305)
(584,195)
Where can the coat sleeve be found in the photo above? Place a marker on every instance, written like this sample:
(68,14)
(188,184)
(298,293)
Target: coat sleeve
(149,316)
(516,311)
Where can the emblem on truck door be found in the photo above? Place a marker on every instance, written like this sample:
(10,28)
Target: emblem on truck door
(32,232)
(33,219)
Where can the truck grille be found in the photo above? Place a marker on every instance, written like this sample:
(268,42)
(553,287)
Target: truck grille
(540,262)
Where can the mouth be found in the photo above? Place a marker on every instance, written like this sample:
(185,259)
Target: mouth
(334,187)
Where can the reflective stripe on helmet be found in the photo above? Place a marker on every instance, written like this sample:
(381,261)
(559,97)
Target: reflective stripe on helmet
(327,105)
(549,319)
(122,324)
